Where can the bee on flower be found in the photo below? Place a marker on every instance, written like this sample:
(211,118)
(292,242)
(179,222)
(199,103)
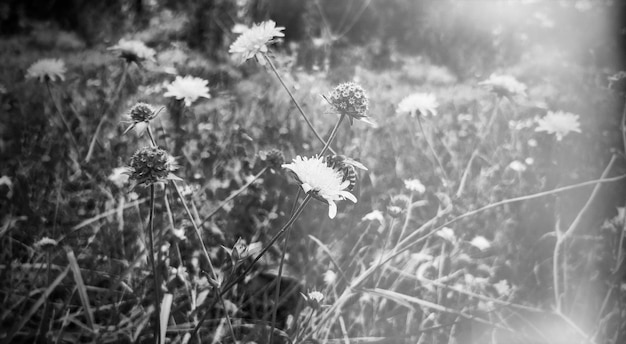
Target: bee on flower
(188,88)
(504,85)
(151,165)
(133,51)
(419,104)
(253,42)
(47,70)
(558,123)
(351,100)
(321,181)
(140,116)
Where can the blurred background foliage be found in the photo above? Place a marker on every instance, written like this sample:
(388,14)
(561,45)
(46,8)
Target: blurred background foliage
(562,50)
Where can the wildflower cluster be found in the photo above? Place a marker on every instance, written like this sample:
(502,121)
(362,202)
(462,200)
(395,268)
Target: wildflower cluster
(150,165)
(350,99)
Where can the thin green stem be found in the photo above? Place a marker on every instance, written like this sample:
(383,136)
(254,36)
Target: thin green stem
(65,123)
(157,284)
(333,133)
(484,134)
(293,99)
(108,106)
(434,153)
(278,280)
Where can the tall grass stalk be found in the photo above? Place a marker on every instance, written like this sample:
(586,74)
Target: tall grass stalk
(110,104)
(446,180)
(476,149)
(155,271)
(62,117)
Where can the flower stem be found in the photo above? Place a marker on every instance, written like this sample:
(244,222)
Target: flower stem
(157,284)
(432,150)
(65,123)
(332,135)
(199,235)
(233,195)
(484,134)
(293,99)
(230,285)
(108,106)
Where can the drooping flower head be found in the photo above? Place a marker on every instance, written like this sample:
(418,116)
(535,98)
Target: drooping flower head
(504,85)
(188,88)
(140,115)
(419,104)
(254,41)
(321,181)
(150,165)
(558,123)
(47,70)
(350,99)
(133,51)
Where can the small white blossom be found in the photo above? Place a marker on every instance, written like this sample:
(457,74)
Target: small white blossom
(415,185)
(47,69)
(446,233)
(119,176)
(517,166)
(330,277)
(502,288)
(558,123)
(253,42)
(504,85)
(418,104)
(375,215)
(480,243)
(188,88)
(321,181)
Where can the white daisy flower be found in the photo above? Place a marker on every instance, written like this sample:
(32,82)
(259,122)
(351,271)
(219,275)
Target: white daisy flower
(133,51)
(559,123)
(480,243)
(253,42)
(321,181)
(415,185)
(188,88)
(504,85)
(418,104)
(47,69)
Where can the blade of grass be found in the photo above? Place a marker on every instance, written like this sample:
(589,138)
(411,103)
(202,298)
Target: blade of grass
(166,307)
(33,309)
(80,285)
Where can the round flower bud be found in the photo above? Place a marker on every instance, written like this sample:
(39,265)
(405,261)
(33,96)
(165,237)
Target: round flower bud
(150,165)
(141,112)
(274,159)
(350,99)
